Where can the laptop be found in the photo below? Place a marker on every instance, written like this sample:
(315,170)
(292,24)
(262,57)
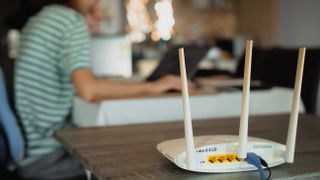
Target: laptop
(170,62)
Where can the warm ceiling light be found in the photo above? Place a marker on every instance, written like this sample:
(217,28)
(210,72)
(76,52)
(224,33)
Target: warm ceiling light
(138,20)
(165,22)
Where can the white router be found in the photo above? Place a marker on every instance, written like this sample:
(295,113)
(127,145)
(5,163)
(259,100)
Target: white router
(227,153)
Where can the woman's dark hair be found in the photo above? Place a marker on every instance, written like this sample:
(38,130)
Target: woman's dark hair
(27,8)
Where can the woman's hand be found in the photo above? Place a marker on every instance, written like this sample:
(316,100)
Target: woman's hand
(168,83)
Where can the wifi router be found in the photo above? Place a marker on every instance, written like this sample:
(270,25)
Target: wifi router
(228,153)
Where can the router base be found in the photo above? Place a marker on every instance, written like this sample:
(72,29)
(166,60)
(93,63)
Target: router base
(218,153)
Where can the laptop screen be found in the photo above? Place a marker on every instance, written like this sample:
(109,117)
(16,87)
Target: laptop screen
(169,64)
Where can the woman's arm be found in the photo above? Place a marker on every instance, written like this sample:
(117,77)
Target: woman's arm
(95,89)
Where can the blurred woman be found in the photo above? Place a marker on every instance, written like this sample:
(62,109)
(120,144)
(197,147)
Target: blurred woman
(53,66)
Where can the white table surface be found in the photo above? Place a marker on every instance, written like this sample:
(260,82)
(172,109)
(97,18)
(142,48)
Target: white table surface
(169,108)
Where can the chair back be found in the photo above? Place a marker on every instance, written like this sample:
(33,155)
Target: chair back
(9,124)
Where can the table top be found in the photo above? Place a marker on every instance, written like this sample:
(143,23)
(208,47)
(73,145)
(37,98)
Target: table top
(129,152)
(276,100)
(197,92)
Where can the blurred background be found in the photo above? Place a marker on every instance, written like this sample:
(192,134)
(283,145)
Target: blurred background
(133,36)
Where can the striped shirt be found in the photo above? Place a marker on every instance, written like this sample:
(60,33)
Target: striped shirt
(54,43)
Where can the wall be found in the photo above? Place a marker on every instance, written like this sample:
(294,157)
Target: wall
(299,23)
(193,22)
(257,19)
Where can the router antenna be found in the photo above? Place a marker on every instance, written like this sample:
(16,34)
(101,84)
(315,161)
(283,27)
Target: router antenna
(188,132)
(243,131)
(292,130)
